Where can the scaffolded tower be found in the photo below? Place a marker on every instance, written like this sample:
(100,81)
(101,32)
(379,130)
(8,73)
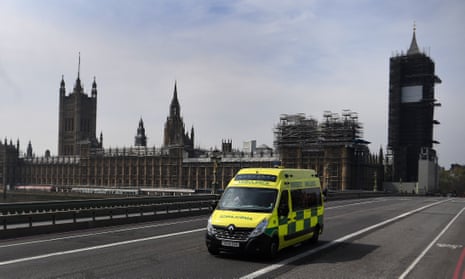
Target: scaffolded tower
(411,111)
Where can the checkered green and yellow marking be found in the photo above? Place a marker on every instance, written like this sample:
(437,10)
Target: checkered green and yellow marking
(300,223)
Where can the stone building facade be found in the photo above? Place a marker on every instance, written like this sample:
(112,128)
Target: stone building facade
(174,165)
(334,148)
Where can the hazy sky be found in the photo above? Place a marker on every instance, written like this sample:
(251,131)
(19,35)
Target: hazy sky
(239,65)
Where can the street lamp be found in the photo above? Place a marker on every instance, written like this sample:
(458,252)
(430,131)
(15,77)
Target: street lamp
(4,182)
(216,158)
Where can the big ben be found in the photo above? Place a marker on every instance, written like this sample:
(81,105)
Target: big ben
(411,110)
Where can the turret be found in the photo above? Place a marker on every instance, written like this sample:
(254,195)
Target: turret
(62,87)
(192,136)
(175,109)
(94,89)
(141,138)
(29,150)
(101,140)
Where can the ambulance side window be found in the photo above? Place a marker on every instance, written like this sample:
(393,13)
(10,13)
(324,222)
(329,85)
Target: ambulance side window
(283,209)
(305,198)
(318,197)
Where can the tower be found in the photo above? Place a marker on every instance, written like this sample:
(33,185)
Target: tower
(411,110)
(77,117)
(141,138)
(29,150)
(175,133)
(174,126)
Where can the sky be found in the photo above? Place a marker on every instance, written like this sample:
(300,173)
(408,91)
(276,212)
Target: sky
(239,65)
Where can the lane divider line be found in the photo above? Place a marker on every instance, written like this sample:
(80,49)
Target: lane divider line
(287,261)
(352,204)
(99,233)
(97,247)
(417,260)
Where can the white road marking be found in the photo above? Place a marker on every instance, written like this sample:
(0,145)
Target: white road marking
(285,262)
(417,260)
(352,204)
(99,233)
(451,246)
(97,247)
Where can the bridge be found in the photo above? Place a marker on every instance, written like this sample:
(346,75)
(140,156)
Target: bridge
(379,237)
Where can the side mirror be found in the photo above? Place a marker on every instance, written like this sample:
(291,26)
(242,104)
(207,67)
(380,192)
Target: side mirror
(213,205)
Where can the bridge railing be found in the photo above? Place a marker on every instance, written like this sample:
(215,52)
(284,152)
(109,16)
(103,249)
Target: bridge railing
(63,205)
(36,218)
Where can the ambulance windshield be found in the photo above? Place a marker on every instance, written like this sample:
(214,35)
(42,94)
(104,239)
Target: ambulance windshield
(248,199)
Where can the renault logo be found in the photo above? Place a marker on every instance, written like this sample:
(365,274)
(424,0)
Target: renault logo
(231,229)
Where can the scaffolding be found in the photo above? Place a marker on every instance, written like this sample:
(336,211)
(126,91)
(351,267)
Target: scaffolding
(304,143)
(297,129)
(344,129)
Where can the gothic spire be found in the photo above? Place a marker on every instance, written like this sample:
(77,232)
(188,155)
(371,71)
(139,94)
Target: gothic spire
(29,150)
(175,95)
(78,86)
(94,88)
(79,64)
(175,107)
(62,86)
(413,45)
(141,138)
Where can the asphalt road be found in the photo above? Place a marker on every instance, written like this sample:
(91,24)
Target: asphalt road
(395,237)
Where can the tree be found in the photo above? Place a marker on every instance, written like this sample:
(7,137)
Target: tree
(453,180)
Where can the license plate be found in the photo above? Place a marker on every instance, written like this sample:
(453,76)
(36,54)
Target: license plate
(230,243)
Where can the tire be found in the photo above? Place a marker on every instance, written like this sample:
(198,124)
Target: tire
(272,249)
(316,235)
(213,251)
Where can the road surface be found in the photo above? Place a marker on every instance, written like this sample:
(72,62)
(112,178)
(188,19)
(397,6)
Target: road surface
(392,237)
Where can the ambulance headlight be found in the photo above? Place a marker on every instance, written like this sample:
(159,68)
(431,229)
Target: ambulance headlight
(210,228)
(261,227)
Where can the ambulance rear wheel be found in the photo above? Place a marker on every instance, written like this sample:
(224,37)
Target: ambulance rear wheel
(316,234)
(273,248)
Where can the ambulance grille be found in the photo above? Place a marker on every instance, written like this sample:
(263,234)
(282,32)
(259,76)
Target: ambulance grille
(238,234)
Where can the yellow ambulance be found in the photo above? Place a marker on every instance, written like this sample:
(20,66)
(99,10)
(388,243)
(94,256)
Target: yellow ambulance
(264,210)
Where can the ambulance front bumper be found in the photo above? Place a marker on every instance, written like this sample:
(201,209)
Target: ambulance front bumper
(233,244)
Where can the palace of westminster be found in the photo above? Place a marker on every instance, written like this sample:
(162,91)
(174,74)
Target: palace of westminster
(333,147)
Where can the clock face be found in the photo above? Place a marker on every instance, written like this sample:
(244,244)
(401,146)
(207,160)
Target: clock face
(412,94)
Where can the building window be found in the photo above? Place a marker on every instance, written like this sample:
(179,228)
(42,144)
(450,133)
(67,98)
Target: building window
(69,124)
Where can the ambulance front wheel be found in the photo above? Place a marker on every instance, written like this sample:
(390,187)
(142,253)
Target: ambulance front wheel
(273,248)
(213,250)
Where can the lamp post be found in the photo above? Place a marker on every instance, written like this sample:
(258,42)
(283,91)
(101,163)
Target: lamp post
(4,181)
(216,158)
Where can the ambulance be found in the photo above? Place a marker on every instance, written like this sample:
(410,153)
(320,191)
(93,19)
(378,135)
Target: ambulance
(264,210)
